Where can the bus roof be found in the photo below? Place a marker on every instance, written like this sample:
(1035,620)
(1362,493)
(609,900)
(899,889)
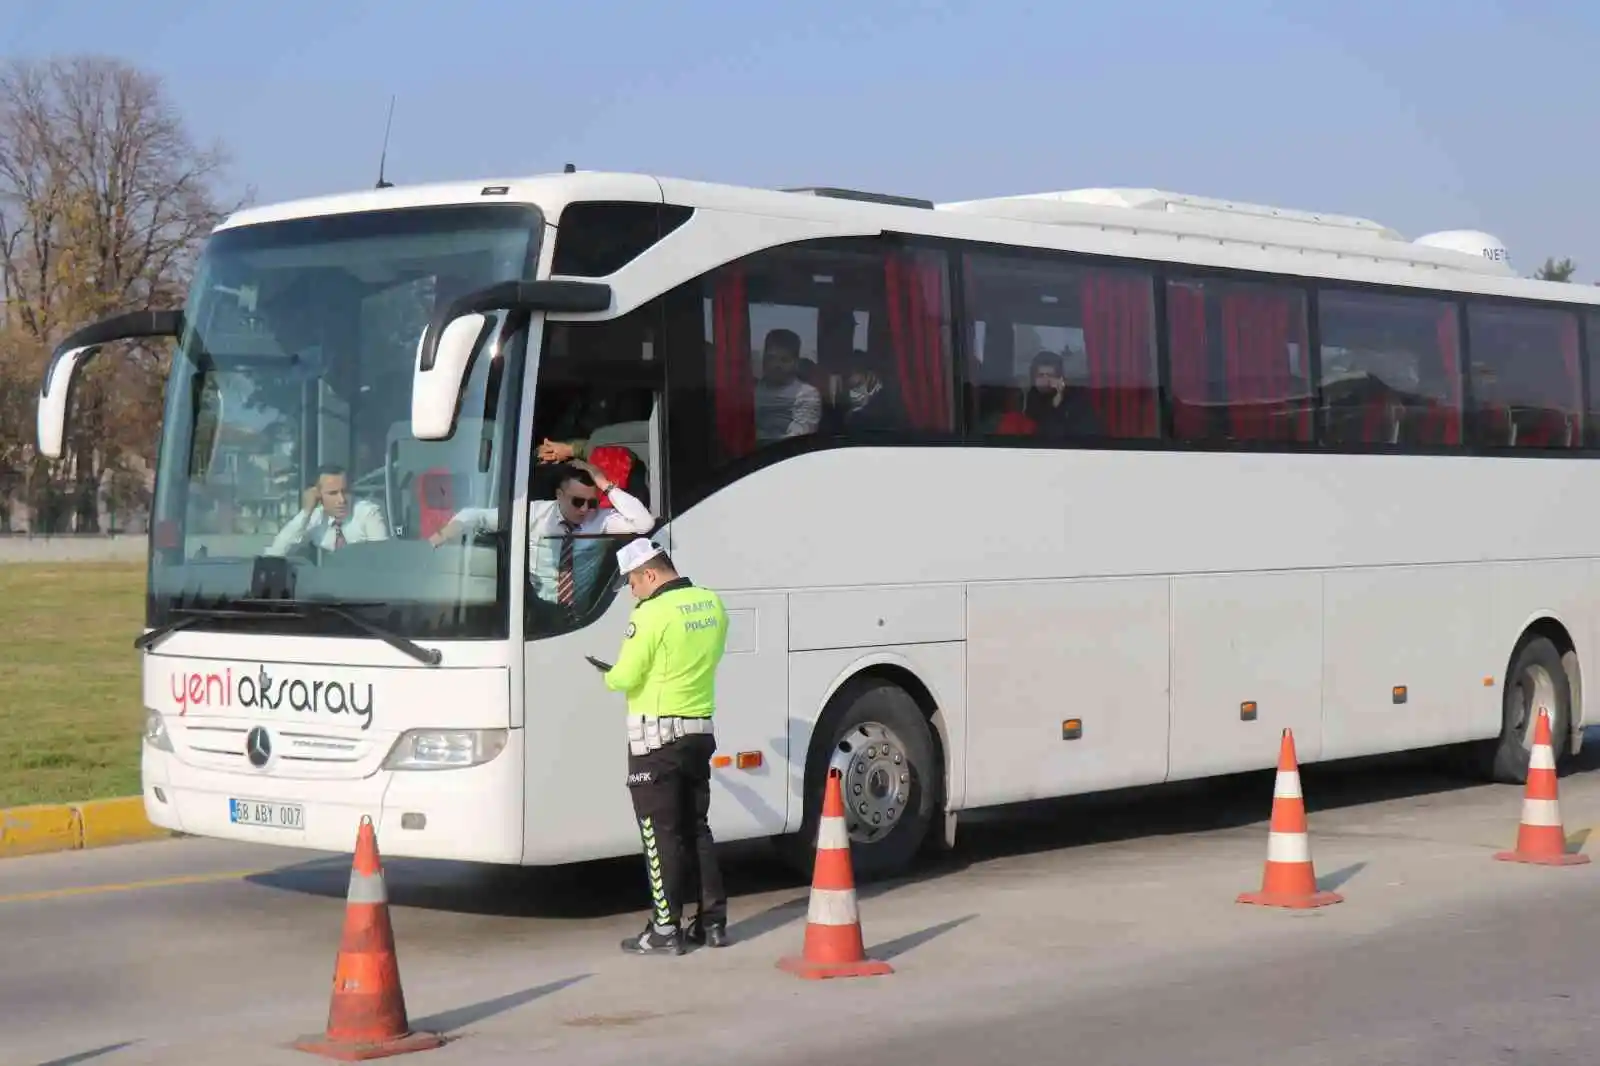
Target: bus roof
(1148,224)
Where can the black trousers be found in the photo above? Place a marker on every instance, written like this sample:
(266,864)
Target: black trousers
(671,790)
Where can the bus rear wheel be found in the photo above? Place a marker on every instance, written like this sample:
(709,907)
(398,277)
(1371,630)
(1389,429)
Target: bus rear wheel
(879,740)
(1536,680)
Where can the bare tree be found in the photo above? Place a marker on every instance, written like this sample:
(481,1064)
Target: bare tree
(104,201)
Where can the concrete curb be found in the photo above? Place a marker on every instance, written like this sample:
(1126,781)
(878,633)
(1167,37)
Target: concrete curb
(51,827)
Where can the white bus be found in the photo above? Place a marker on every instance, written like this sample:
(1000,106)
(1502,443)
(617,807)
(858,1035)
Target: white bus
(1140,480)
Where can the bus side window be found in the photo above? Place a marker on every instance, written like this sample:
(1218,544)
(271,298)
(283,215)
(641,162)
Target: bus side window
(1526,376)
(1592,408)
(1390,369)
(1060,350)
(596,400)
(1240,361)
(847,337)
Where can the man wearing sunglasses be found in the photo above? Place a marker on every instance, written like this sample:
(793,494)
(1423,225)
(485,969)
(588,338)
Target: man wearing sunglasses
(566,535)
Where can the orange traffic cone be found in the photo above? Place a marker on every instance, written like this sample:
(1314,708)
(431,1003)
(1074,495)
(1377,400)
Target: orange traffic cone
(833,945)
(1289,879)
(367,1016)
(1540,838)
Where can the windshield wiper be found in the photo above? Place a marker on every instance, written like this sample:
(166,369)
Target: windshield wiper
(341,609)
(187,616)
(427,656)
(264,608)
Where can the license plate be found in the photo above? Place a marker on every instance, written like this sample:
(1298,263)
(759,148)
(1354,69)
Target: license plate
(263,813)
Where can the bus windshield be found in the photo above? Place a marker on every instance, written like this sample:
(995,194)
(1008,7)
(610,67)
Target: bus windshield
(286,441)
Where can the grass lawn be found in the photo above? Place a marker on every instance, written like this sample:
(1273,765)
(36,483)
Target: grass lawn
(70,714)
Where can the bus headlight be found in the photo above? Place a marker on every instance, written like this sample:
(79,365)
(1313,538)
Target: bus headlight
(444,749)
(155,731)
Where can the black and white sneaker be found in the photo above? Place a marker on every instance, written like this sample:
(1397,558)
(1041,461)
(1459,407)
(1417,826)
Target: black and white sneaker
(653,941)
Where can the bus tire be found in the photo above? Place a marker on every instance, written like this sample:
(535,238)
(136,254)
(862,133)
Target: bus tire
(1536,677)
(876,735)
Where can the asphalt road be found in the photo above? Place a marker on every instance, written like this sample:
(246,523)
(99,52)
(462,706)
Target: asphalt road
(1100,930)
(1514,983)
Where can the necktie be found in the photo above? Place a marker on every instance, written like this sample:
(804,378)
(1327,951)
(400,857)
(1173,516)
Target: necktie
(338,535)
(565,593)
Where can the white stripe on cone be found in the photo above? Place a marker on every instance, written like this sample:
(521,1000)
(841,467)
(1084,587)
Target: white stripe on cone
(367,888)
(832,906)
(1287,785)
(1542,759)
(833,835)
(1541,812)
(1288,847)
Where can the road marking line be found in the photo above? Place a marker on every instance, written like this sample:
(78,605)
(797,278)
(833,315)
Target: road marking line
(129,886)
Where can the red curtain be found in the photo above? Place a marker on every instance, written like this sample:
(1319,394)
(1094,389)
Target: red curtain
(1117,331)
(915,289)
(1186,341)
(1445,427)
(1257,329)
(732,377)
(1572,400)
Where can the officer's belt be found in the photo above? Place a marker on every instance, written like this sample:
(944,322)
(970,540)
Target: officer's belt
(646,733)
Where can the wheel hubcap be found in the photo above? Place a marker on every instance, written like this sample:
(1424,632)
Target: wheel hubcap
(875,779)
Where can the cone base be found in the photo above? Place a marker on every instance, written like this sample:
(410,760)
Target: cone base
(1291,901)
(360,1051)
(1563,859)
(818,971)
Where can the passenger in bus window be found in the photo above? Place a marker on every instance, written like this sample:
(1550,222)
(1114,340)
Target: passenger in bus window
(785,405)
(328,519)
(1051,408)
(869,401)
(566,542)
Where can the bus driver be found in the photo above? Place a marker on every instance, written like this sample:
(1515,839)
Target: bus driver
(565,548)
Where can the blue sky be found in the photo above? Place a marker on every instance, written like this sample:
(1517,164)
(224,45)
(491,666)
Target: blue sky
(1421,114)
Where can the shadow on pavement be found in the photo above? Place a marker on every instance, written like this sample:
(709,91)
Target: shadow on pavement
(1577,841)
(1231,802)
(769,920)
(85,1056)
(600,889)
(893,949)
(612,887)
(450,1022)
(1339,878)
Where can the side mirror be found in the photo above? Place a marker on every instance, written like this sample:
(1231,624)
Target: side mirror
(457,331)
(55,393)
(436,389)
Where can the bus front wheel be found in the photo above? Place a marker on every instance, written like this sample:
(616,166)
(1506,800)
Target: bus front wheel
(1537,679)
(879,740)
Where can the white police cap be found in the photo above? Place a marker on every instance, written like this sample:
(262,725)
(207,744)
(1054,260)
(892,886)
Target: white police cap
(636,553)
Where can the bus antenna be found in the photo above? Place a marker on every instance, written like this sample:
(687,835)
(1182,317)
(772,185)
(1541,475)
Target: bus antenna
(383,156)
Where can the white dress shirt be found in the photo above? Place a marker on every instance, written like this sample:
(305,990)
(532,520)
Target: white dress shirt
(363,523)
(547,529)
(790,410)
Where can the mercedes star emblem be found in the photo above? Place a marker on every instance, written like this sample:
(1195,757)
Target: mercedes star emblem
(258,747)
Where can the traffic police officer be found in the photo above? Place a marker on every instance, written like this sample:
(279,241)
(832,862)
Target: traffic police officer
(667,669)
